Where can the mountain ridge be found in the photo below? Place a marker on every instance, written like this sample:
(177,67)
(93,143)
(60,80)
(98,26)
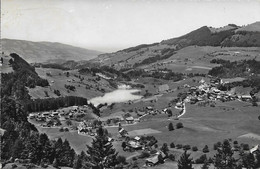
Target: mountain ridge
(46,51)
(226,36)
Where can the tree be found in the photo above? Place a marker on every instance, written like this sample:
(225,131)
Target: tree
(78,163)
(205,149)
(194,148)
(179,125)
(248,160)
(165,148)
(169,112)
(69,122)
(224,157)
(121,159)
(170,127)
(123,145)
(185,162)
(205,165)
(172,145)
(55,163)
(101,154)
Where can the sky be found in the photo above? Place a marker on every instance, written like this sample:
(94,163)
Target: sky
(111,25)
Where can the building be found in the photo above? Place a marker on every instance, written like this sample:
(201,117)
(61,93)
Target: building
(129,120)
(155,159)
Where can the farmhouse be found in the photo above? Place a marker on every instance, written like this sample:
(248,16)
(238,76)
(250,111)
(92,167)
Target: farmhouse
(129,120)
(155,159)
(123,132)
(255,149)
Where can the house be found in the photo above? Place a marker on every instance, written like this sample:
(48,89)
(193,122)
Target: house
(254,149)
(123,132)
(129,120)
(163,88)
(137,138)
(246,97)
(155,159)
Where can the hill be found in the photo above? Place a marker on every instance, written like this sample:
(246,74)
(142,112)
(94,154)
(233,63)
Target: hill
(196,48)
(46,51)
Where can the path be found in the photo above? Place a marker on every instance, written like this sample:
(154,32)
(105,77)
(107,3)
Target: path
(134,155)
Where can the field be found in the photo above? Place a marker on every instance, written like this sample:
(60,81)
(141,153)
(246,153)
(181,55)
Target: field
(58,79)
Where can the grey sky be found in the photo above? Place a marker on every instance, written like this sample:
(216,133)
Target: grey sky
(110,25)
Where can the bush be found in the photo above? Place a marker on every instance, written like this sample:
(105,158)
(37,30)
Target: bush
(194,148)
(61,129)
(205,149)
(216,145)
(170,127)
(172,157)
(172,145)
(245,147)
(179,125)
(179,146)
(121,159)
(66,130)
(186,147)
(144,154)
(201,159)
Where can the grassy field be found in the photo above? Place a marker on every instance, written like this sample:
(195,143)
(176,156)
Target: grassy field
(58,79)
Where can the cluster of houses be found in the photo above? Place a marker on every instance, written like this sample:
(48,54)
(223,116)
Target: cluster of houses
(54,118)
(210,92)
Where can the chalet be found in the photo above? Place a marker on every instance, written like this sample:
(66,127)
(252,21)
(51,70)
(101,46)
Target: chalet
(246,97)
(255,149)
(152,161)
(129,120)
(134,145)
(123,132)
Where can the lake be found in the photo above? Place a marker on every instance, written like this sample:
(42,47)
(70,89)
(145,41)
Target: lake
(122,94)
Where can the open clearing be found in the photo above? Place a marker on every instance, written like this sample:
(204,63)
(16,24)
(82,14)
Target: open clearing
(143,132)
(251,136)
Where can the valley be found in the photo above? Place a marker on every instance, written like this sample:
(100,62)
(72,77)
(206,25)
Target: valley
(186,94)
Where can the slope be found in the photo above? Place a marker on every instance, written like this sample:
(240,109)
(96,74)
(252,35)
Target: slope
(46,51)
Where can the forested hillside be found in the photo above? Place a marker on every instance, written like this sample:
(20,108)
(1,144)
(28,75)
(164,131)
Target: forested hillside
(21,139)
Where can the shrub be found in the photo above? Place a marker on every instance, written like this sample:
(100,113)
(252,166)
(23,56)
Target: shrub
(46,94)
(186,147)
(144,154)
(121,159)
(201,159)
(172,145)
(245,146)
(179,146)
(66,129)
(170,127)
(61,129)
(216,145)
(194,148)
(205,149)
(172,157)
(179,125)
(235,142)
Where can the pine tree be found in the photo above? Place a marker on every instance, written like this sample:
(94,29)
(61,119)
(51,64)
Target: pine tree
(205,165)
(170,127)
(224,158)
(185,162)
(248,161)
(101,154)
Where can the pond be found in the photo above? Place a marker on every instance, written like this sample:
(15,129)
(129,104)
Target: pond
(122,94)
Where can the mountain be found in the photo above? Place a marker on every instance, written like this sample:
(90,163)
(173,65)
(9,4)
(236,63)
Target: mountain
(198,43)
(46,51)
